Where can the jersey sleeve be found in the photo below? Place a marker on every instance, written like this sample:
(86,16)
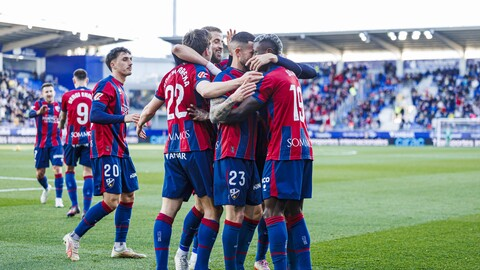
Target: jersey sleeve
(103,93)
(160,93)
(201,74)
(64,102)
(264,90)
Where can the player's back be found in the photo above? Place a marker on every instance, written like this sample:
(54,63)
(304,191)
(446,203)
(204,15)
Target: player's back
(77,104)
(287,133)
(177,89)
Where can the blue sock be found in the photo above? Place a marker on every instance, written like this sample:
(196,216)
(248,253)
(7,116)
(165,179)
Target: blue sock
(94,215)
(300,242)
(162,232)
(262,245)
(277,231)
(207,234)
(122,221)
(291,258)
(43,182)
(190,228)
(71,187)
(244,239)
(87,192)
(231,231)
(58,185)
(195,243)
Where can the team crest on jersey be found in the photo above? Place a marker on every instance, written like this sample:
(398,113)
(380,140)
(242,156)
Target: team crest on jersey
(234,192)
(97,96)
(201,75)
(57,108)
(110,182)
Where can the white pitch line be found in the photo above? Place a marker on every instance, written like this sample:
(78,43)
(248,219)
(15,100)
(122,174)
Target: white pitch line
(17,178)
(19,189)
(26,189)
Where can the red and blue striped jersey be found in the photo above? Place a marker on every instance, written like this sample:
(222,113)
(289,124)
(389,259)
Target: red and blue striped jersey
(77,104)
(282,94)
(236,140)
(110,139)
(48,132)
(177,89)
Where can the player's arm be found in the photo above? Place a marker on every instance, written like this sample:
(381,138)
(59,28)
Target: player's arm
(98,115)
(239,114)
(36,112)
(190,55)
(147,114)
(63,119)
(302,71)
(216,89)
(221,107)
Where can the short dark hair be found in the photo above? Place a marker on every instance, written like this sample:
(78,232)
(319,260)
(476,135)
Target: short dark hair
(243,37)
(197,39)
(46,85)
(212,29)
(113,54)
(80,74)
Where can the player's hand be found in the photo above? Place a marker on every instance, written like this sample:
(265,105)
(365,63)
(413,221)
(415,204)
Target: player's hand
(197,114)
(140,132)
(230,34)
(134,117)
(42,109)
(257,61)
(245,90)
(251,76)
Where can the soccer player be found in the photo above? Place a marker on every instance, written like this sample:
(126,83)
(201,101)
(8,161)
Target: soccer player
(76,106)
(114,173)
(287,175)
(188,151)
(236,179)
(47,142)
(194,216)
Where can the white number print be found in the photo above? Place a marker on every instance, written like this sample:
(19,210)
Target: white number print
(82,113)
(177,95)
(298,113)
(113,168)
(233,175)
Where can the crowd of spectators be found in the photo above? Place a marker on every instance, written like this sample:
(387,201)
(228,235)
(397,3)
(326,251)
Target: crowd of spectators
(17,96)
(456,96)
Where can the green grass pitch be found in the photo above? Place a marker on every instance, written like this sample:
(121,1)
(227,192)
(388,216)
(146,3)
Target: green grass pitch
(373,208)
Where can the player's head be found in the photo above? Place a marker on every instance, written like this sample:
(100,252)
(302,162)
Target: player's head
(199,40)
(216,40)
(241,47)
(268,43)
(119,60)
(80,77)
(48,92)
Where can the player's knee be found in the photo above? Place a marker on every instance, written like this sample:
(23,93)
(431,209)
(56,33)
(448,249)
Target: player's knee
(40,174)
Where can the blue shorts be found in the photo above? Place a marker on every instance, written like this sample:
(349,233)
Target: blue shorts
(53,154)
(73,153)
(185,172)
(287,179)
(114,175)
(236,182)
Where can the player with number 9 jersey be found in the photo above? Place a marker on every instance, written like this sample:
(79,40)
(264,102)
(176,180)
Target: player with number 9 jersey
(77,103)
